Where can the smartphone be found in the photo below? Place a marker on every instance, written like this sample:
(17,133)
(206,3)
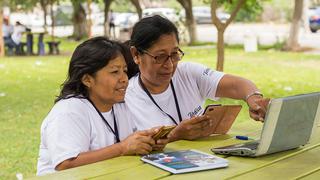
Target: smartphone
(209,108)
(163,132)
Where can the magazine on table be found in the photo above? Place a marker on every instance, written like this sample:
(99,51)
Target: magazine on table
(185,161)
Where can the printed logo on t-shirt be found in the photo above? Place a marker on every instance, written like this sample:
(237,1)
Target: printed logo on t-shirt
(207,72)
(194,112)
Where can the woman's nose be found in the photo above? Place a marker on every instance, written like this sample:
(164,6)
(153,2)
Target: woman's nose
(124,77)
(169,62)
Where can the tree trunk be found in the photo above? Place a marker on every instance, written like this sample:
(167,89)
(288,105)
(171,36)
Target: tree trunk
(52,21)
(220,53)
(107,4)
(190,22)
(79,20)
(44,5)
(1,39)
(89,28)
(136,3)
(292,43)
(221,27)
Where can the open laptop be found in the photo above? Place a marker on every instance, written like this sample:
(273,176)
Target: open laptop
(289,124)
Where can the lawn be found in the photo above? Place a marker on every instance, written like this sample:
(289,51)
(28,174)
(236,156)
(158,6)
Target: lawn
(28,86)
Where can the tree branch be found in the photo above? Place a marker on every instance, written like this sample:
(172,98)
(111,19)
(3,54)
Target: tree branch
(234,12)
(215,19)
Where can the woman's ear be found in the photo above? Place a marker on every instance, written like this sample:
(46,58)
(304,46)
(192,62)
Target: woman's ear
(135,54)
(86,80)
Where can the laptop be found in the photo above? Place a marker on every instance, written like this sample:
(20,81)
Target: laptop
(289,124)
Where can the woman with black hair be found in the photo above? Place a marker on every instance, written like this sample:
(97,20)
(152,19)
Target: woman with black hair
(165,92)
(89,121)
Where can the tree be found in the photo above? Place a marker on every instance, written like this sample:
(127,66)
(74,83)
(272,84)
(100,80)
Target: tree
(2,48)
(13,4)
(136,4)
(44,5)
(221,27)
(190,22)
(1,39)
(89,19)
(292,42)
(79,20)
(51,2)
(107,4)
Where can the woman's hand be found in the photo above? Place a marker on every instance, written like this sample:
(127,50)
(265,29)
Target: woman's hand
(160,144)
(257,107)
(190,129)
(138,143)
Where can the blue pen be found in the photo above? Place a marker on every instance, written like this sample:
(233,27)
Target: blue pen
(243,137)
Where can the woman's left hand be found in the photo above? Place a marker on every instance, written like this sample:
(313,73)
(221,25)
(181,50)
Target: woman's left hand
(160,144)
(257,107)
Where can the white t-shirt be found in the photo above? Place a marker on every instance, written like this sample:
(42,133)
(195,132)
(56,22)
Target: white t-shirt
(7,30)
(74,126)
(193,84)
(17,33)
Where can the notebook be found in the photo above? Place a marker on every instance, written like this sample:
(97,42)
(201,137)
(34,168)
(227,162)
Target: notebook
(184,161)
(289,124)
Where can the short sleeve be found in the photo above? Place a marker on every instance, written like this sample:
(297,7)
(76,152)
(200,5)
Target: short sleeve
(207,80)
(67,136)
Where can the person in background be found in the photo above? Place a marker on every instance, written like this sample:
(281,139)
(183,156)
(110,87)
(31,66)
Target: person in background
(16,36)
(89,121)
(7,30)
(166,92)
(112,26)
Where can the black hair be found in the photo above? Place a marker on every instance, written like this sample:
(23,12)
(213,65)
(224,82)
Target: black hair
(133,68)
(149,29)
(88,58)
(146,32)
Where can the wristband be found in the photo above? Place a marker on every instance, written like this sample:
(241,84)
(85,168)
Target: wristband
(252,94)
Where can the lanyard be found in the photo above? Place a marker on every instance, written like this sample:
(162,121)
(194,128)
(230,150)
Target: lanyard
(154,102)
(115,131)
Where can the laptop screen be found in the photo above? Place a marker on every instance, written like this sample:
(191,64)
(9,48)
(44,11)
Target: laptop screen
(289,123)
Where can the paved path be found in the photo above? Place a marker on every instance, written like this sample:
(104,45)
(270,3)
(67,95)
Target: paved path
(236,33)
(266,34)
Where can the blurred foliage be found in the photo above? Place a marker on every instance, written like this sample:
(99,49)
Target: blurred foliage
(122,6)
(20,4)
(63,18)
(250,11)
(285,7)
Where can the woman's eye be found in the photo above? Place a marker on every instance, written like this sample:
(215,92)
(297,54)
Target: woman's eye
(114,72)
(162,55)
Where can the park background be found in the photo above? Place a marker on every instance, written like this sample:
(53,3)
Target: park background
(29,84)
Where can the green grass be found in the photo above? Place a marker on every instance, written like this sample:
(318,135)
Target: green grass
(28,86)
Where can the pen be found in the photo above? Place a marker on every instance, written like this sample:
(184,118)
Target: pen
(243,137)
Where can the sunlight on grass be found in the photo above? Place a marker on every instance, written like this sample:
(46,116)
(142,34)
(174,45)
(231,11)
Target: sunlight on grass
(29,86)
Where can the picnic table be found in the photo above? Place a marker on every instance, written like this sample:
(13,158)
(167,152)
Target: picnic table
(301,163)
(29,44)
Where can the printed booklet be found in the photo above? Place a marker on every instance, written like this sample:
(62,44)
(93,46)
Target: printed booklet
(185,161)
